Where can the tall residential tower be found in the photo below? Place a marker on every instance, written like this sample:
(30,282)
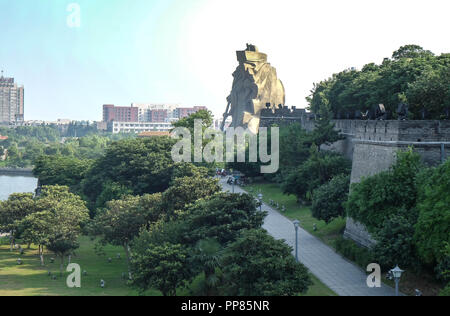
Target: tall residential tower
(11,101)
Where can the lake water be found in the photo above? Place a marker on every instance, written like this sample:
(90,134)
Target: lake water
(16,184)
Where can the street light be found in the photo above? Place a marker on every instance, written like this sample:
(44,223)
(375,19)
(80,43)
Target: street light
(396,274)
(260,199)
(296,225)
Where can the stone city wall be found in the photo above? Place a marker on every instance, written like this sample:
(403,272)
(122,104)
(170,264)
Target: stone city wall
(372,147)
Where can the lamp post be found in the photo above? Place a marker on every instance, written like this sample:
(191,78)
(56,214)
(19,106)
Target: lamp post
(260,199)
(296,225)
(396,274)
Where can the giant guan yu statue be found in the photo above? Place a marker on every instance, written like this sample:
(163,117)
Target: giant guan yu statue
(255,86)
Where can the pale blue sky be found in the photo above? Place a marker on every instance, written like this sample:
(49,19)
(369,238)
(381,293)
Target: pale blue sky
(183,51)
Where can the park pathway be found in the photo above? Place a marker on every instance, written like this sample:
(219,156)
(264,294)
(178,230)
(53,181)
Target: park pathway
(339,274)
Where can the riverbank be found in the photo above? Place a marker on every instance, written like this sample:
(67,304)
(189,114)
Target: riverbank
(23,172)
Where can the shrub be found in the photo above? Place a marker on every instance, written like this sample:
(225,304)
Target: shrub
(350,250)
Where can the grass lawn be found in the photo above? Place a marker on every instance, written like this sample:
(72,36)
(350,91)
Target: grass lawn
(327,233)
(30,279)
(319,289)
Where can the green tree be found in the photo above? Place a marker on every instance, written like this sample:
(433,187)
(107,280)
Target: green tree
(181,170)
(60,170)
(188,122)
(443,268)
(35,229)
(433,225)
(324,132)
(143,165)
(316,171)
(329,199)
(392,192)
(187,190)
(431,91)
(258,265)
(395,243)
(295,144)
(12,211)
(411,51)
(164,267)
(63,214)
(206,257)
(206,119)
(412,75)
(222,217)
(111,191)
(121,220)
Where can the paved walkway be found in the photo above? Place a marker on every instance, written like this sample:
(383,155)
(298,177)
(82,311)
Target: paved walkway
(340,275)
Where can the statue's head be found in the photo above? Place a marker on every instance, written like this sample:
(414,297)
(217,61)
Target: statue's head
(252,48)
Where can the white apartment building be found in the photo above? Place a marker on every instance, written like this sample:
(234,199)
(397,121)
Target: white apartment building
(148,112)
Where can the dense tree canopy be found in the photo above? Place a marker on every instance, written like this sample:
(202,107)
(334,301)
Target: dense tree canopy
(142,165)
(187,190)
(406,210)
(204,116)
(329,199)
(413,75)
(12,211)
(57,221)
(164,267)
(392,192)
(61,170)
(25,144)
(433,226)
(258,265)
(395,243)
(320,168)
(222,217)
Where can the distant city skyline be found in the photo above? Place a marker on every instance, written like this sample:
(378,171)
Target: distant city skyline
(183,52)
